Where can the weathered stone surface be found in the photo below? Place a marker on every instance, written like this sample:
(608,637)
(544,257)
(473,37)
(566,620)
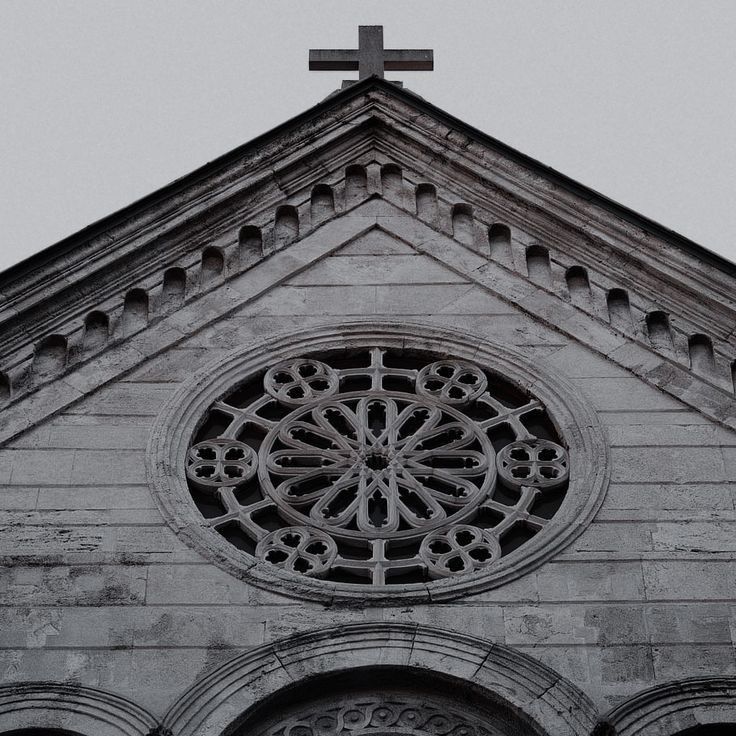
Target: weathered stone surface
(99,591)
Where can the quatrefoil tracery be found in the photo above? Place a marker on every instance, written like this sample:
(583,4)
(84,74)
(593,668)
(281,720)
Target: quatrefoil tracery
(377,472)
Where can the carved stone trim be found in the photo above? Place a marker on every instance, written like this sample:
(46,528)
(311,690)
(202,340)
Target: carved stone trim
(676,706)
(221,698)
(575,420)
(84,710)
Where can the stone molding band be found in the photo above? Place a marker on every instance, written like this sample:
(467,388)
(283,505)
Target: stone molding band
(222,698)
(576,422)
(75,708)
(219,701)
(673,707)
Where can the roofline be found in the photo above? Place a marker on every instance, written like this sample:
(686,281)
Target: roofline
(97,227)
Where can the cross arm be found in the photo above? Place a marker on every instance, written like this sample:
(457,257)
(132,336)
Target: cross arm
(404,60)
(393,59)
(333,59)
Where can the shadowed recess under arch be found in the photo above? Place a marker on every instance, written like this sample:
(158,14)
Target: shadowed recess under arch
(175,287)
(50,355)
(702,359)
(286,226)
(322,205)
(391,181)
(462,223)
(426,202)
(213,264)
(135,311)
(537,264)
(658,330)
(499,241)
(619,310)
(578,286)
(356,184)
(96,330)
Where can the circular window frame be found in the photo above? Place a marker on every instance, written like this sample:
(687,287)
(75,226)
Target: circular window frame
(574,417)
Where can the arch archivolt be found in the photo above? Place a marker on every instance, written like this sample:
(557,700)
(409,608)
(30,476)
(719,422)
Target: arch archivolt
(66,707)
(668,709)
(540,697)
(242,696)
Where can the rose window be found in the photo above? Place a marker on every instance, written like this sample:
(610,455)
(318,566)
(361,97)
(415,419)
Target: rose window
(379,467)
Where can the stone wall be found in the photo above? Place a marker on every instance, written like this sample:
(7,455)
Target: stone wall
(102,593)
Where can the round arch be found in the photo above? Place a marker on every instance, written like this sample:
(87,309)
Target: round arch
(71,708)
(500,674)
(676,707)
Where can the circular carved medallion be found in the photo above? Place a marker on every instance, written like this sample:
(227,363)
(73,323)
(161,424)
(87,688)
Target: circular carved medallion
(383,466)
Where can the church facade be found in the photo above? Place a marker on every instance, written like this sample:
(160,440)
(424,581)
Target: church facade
(373,425)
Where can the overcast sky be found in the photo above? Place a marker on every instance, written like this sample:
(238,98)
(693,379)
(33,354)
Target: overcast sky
(104,101)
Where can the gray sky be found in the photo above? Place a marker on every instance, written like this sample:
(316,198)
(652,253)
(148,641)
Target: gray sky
(104,101)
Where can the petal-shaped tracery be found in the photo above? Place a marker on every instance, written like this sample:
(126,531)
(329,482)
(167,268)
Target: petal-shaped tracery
(379,472)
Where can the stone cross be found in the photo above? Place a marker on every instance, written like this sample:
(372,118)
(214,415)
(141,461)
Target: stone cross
(370,58)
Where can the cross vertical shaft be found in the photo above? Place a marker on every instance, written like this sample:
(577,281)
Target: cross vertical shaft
(370,51)
(370,58)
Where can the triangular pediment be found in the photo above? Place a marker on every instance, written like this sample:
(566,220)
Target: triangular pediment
(372,185)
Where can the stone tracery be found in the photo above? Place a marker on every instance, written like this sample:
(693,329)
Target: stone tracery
(378,467)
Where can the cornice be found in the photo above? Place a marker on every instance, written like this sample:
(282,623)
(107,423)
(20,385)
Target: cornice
(370,127)
(629,350)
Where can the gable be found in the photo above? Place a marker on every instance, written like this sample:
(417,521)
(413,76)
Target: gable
(478,209)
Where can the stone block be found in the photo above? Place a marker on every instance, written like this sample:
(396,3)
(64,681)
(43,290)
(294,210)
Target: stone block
(38,467)
(689,580)
(672,435)
(711,536)
(658,497)
(92,467)
(356,270)
(668,623)
(194,584)
(18,498)
(627,664)
(624,394)
(576,361)
(95,497)
(125,399)
(61,585)
(694,658)
(614,538)
(665,465)
(317,300)
(590,581)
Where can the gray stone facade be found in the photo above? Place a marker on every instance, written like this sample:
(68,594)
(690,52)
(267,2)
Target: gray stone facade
(373,211)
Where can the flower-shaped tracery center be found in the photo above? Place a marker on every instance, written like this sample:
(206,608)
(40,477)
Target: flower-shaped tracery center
(377,467)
